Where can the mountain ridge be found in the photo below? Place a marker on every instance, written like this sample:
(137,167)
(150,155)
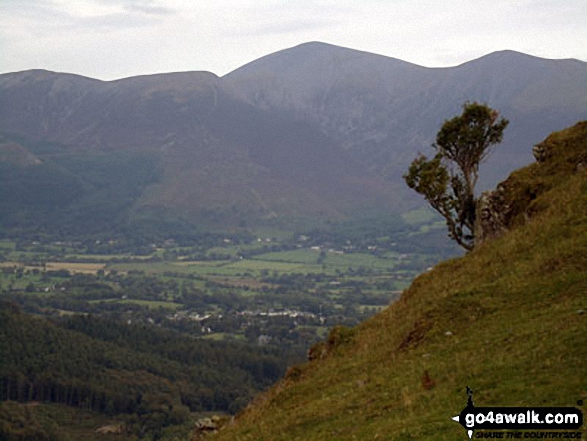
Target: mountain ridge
(387,124)
(325,133)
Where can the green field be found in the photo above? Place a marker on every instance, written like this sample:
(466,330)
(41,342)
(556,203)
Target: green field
(299,261)
(330,259)
(204,267)
(7,245)
(420,216)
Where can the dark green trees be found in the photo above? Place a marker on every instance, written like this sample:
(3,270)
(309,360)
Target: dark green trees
(448,180)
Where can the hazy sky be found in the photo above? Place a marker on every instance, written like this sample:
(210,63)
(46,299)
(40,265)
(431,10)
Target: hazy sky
(110,39)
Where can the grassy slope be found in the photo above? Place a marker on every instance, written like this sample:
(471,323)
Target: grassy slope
(517,332)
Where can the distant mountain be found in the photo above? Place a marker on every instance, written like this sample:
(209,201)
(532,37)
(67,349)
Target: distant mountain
(315,133)
(204,156)
(382,109)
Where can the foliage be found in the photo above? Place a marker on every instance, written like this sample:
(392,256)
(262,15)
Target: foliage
(447,181)
(116,368)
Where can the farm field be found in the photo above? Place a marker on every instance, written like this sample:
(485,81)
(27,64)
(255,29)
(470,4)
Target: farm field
(332,259)
(74,267)
(297,261)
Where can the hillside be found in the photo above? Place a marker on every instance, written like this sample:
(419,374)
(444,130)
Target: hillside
(507,320)
(179,149)
(309,136)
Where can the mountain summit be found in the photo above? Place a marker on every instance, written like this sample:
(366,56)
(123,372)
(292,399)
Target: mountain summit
(382,109)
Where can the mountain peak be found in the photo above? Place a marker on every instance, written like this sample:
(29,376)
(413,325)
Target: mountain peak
(508,56)
(315,113)
(318,56)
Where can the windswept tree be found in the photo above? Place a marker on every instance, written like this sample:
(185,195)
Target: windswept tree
(447,181)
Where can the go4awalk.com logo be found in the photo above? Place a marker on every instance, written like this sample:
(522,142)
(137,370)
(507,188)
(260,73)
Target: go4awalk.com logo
(536,422)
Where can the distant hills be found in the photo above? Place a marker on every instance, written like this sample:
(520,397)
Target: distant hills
(308,135)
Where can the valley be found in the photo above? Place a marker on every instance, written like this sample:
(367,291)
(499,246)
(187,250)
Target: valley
(285,289)
(233,311)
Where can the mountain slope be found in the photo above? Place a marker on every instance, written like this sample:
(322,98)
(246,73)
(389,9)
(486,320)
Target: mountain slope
(507,320)
(213,158)
(383,109)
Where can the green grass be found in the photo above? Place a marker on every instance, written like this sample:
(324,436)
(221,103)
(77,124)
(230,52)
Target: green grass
(507,320)
(102,258)
(280,267)
(216,268)
(205,267)
(296,256)
(219,336)
(275,233)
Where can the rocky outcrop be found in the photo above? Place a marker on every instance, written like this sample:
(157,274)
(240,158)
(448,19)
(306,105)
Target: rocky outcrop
(512,202)
(207,426)
(492,212)
(541,152)
(113,429)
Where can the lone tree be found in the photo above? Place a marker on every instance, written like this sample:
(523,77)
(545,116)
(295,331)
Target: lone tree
(448,180)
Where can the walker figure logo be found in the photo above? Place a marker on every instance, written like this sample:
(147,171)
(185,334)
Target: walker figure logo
(519,418)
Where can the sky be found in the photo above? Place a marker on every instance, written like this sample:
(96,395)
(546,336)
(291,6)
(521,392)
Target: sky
(110,39)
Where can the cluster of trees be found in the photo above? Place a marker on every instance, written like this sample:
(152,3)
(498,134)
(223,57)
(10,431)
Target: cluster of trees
(115,368)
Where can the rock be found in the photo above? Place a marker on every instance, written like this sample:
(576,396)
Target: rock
(206,424)
(493,210)
(115,429)
(541,152)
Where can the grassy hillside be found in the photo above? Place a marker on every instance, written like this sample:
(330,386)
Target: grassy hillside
(509,320)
